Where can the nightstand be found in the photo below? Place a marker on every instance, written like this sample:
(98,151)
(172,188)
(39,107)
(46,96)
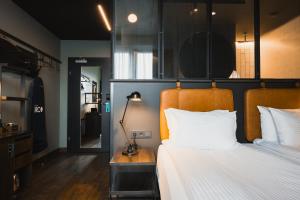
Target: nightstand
(133,176)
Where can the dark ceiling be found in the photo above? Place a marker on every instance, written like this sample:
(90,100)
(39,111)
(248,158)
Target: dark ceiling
(80,19)
(70,19)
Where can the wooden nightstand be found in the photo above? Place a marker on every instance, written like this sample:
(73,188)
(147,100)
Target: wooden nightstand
(133,176)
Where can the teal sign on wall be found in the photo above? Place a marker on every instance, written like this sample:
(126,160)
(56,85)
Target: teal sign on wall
(107,107)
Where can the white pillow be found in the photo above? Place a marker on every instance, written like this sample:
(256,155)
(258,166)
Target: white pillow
(287,123)
(205,130)
(172,118)
(268,129)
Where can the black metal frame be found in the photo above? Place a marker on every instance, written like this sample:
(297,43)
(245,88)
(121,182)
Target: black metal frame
(18,40)
(257,38)
(209,4)
(74,71)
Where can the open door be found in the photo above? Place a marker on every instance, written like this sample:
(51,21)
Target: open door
(88,104)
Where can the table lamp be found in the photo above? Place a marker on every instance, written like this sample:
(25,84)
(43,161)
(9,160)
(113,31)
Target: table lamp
(131,147)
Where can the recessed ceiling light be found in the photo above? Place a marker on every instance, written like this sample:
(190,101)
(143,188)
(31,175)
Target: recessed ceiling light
(213,13)
(195,9)
(132,18)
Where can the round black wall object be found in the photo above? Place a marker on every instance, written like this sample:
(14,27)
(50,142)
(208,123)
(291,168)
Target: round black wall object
(193,56)
(223,56)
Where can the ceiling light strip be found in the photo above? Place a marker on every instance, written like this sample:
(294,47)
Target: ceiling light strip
(104,17)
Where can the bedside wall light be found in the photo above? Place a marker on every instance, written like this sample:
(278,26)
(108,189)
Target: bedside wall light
(131,146)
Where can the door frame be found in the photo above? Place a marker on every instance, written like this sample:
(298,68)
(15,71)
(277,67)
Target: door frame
(73,132)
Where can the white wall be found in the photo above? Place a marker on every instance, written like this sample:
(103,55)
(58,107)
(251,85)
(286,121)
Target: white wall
(18,23)
(72,48)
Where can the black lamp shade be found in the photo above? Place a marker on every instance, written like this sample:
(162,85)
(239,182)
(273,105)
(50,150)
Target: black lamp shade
(134,96)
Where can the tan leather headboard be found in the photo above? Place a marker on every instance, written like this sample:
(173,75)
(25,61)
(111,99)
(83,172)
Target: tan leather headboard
(193,100)
(269,97)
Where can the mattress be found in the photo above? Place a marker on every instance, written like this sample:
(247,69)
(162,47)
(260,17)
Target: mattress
(244,173)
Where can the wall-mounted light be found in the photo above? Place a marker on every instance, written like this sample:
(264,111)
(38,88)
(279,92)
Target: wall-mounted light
(104,17)
(132,18)
(213,13)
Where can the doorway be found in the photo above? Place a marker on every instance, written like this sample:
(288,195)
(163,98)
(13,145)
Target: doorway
(88,104)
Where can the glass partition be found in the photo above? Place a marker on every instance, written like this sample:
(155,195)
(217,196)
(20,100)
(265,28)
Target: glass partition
(175,39)
(136,39)
(185,39)
(233,39)
(280,39)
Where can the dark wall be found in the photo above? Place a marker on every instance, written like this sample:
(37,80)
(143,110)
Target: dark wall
(146,115)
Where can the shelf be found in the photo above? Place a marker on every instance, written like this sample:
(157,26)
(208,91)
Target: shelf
(4,135)
(133,181)
(7,98)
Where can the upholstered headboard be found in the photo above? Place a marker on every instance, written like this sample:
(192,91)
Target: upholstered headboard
(193,100)
(269,97)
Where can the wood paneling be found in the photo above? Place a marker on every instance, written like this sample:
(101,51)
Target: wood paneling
(144,157)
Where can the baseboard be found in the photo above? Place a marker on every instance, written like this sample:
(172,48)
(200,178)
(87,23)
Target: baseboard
(47,152)
(62,150)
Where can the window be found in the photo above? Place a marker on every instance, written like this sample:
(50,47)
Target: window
(144,65)
(122,65)
(133,65)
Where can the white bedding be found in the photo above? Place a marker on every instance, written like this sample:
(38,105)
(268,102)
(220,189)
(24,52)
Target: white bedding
(244,173)
(288,153)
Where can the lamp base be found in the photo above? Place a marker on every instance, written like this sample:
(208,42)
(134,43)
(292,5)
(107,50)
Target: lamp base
(130,150)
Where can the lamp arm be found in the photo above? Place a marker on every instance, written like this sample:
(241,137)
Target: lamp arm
(122,122)
(124,131)
(124,113)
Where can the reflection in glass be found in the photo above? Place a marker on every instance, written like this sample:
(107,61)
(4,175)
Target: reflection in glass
(90,107)
(233,39)
(136,65)
(245,66)
(185,39)
(144,65)
(136,39)
(280,39)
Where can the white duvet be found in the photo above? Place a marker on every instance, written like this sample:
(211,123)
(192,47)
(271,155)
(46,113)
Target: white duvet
(243,173)
(285,152)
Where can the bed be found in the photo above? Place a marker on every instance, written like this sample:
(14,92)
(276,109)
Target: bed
(246,172)
(270,97)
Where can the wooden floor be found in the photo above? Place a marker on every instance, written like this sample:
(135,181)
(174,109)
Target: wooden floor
(68,176)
